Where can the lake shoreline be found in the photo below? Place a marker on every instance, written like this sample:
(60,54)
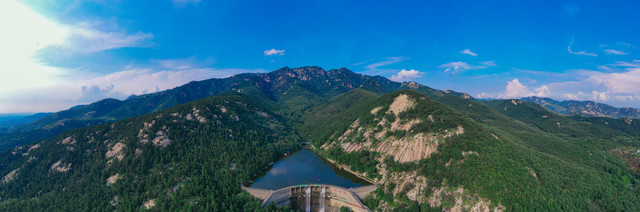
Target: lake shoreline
(342,166)
(306,167)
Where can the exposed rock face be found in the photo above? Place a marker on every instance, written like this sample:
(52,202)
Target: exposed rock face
(31,149)
(403,149)
(150,204)
(115,150)
(461,200)
(68,140)
(113,179)
(60,167)
(400,104)
(410,149)
(375,110)
(11,176)
(161,139)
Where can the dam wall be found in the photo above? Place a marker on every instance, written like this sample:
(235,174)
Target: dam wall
(315,197)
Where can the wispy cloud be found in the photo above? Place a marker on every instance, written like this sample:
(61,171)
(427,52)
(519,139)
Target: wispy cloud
(387,61)
(96,36)
(183,3)
(377,68)
(469,52)
(270,52)
(404,75)
(183,63)
(581,52)
(616,52)
(632,64)
(458,67)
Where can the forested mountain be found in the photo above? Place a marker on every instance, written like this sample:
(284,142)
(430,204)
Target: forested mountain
(421,151)
(193,156)
(425,148)
(584,108)
(297,88)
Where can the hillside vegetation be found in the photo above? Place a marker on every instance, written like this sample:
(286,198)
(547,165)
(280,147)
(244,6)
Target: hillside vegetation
(425,152)
(193,156)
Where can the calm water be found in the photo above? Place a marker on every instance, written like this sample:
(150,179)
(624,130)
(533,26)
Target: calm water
(305,167)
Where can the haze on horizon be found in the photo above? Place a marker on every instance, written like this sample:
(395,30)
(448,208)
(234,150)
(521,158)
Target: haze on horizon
(57,54)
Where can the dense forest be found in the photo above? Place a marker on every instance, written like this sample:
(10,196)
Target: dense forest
(191,157)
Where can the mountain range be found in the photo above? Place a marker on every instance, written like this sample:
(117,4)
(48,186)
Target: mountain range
(584,108)
(189,148)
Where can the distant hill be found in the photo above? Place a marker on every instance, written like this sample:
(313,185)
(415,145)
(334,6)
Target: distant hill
(584,108)
(10,121)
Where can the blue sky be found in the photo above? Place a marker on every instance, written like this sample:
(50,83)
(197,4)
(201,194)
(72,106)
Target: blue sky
(57,54)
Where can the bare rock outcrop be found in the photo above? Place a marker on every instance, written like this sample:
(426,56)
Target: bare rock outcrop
(60,167)
(11,176)
(113,179)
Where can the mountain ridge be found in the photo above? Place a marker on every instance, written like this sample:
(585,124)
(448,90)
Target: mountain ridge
(312,85)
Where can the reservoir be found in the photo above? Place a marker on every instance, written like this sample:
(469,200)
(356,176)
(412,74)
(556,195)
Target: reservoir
(305,167)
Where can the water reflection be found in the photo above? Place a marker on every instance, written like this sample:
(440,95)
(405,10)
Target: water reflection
(305,167)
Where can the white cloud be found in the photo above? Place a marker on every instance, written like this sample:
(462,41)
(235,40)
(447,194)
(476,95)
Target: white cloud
(273,52)
(617,85)
(182,3)
(405,75)
(516,89)
(484,95)
(117,85)
(581,52)
(469,52)
(457,67)
(572,96)
(601,96)
(616,52)
(543,91)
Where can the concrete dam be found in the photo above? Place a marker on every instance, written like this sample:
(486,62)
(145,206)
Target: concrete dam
(315,197)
